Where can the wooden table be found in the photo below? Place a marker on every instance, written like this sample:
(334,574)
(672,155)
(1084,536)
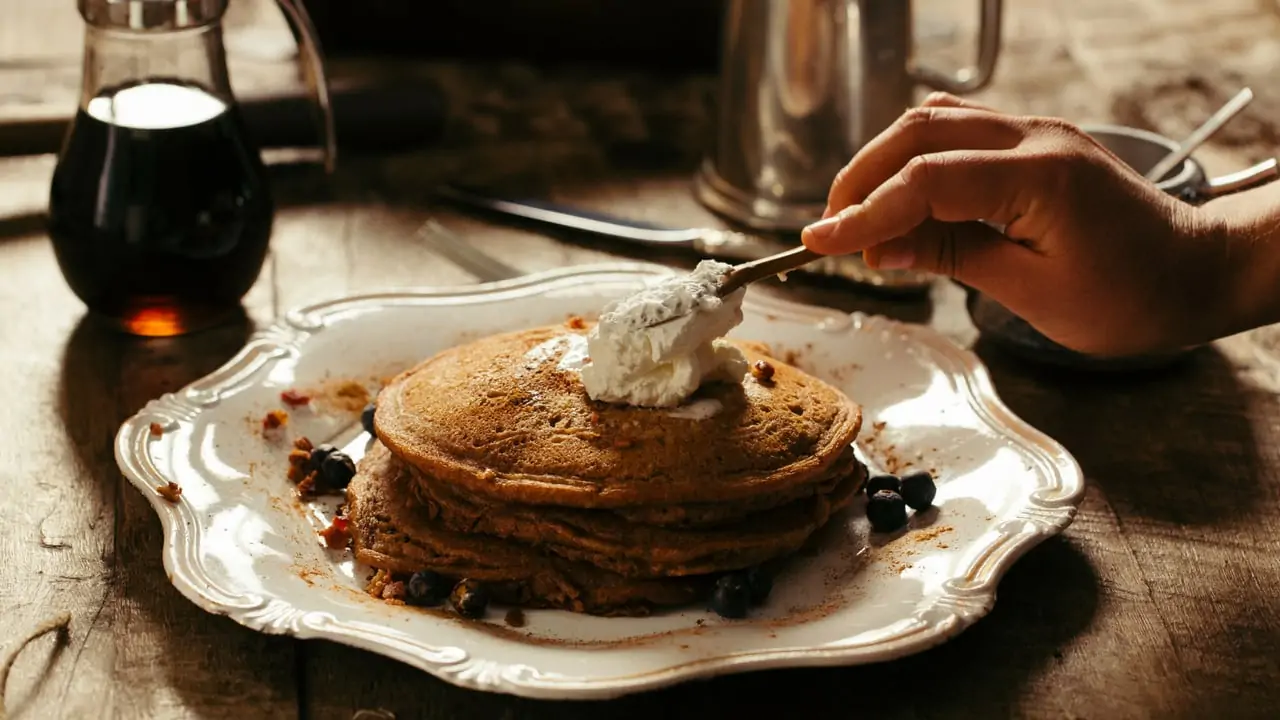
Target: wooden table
(1159,601)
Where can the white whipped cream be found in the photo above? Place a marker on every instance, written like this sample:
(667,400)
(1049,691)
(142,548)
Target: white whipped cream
(635,361)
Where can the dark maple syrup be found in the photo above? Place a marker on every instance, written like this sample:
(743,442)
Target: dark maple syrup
(159,209)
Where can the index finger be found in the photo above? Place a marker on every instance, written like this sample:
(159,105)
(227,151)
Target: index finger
(954,186)
(920,131)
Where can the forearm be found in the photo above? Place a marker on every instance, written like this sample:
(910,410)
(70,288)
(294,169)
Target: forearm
(1247,225)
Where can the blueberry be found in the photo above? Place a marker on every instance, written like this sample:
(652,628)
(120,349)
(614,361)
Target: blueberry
(759,583)
(366,417)
(886,511)
(918,490)
(318,455)
(428,588)
(469,598)
(731,596)
(883,482)
(337,470)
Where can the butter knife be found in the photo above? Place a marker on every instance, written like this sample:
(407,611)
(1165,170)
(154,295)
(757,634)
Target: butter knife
(721,244)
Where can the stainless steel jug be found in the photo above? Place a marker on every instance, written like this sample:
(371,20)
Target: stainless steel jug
(804,84)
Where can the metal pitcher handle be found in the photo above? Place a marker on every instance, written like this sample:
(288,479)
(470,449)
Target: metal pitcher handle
(976,77)
(317,79)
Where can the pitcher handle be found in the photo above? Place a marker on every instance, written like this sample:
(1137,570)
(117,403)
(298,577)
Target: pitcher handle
(317,79)
(976,77)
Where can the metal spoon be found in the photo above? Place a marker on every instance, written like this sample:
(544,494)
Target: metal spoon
(1207,130)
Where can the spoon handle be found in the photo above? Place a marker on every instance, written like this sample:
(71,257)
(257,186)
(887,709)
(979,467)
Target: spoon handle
(1202,133)
(749,272)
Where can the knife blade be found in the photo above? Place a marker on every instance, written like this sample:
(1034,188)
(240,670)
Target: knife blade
(728,245)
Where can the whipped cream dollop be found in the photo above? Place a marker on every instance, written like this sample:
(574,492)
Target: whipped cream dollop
(656,347)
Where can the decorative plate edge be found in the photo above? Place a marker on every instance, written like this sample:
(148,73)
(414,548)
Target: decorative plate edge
(964,600)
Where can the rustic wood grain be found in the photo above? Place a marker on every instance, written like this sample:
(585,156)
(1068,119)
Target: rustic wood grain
(1159,601)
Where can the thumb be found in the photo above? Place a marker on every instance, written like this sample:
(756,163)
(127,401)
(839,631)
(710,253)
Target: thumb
(970,252)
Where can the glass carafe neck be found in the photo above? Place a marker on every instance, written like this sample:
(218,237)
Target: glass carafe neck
(115,60)
(176,45)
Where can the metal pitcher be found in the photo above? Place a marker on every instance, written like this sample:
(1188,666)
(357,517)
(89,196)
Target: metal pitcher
(803,85)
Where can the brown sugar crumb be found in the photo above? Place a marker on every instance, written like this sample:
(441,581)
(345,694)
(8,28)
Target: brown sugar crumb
(307,485)
(377,582)
(514,617)
(791,357)
(156,429)
(275,420)
(300,471)
(576,323)
(347,395)
(762,371)
(171,492)
(293,398)
(878,426)
(932,533)
(393,590)
(338,534)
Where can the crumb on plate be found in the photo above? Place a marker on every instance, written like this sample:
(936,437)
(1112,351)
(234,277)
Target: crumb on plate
(171,491)
(293,398)
(338,534)
(274,420)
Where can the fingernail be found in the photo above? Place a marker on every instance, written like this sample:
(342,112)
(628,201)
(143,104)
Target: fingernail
(896,259)
(820,230)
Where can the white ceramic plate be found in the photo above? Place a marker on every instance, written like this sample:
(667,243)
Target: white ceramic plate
(239,543)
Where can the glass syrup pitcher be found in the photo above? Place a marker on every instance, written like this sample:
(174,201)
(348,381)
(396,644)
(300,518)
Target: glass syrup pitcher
(160,212)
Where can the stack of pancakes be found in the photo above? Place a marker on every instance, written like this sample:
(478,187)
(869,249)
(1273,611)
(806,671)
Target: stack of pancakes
(491,463)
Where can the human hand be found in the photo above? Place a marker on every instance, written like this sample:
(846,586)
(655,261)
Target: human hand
(1093,256)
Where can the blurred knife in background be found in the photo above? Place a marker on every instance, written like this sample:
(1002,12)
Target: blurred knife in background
(727,245)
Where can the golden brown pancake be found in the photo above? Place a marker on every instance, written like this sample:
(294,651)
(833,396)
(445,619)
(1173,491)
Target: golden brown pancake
(607,541)
(500,418)
(394,532)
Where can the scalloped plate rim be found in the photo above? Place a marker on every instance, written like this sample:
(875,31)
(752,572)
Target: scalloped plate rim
(978,599)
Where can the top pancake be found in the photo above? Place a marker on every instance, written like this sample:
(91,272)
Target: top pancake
(507,417)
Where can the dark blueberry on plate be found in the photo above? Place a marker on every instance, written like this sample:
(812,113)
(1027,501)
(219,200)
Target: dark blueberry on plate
(337,470)
(366,417)
(469,598)
(428,588)
(883,482)
(317,456)
(731,596)
(918,490)
(886,511)
(759,584)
